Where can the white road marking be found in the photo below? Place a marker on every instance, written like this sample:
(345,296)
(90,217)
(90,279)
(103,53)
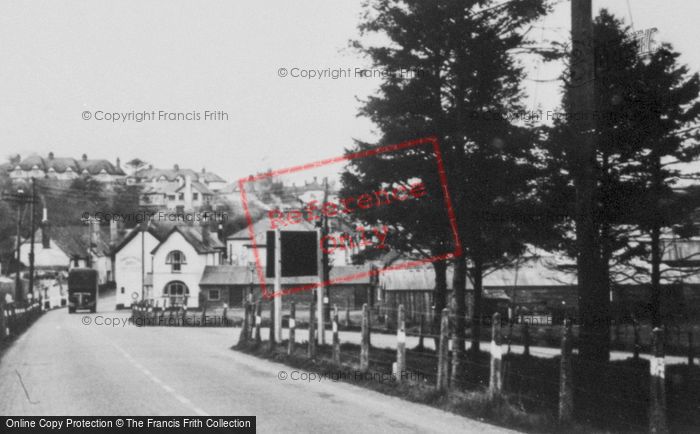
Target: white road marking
(159,382)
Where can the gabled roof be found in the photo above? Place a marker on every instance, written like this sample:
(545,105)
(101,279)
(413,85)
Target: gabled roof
(162,188)
(169,174)
(175,173)
(159,231)
(75,240)
(60,165)
(193,235)
(197,186)
(95,167)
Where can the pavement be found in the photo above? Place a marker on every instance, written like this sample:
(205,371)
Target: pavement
(61,366)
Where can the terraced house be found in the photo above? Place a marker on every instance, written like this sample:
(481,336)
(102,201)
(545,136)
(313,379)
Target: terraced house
(51,167)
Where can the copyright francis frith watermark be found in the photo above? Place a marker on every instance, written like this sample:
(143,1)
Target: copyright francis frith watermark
(348,211)
(158,216)
(296,375)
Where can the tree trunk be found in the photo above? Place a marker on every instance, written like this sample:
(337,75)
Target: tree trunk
(655,276)
(655,246)
(476,318)
(439,297)
(593,301)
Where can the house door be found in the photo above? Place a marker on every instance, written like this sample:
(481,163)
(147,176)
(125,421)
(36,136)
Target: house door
(175,293)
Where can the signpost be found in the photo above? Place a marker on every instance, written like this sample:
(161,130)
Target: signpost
(293,254)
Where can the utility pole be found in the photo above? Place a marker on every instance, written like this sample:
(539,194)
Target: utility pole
(592,294)
(31,239)
(19,198)
(320,330)
(323,291)
(144,228)
(324,256)
(19,295)
(277,299)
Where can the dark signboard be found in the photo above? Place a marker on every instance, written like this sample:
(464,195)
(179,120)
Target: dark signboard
(299,254)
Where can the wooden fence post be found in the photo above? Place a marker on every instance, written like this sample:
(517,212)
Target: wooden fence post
(496,377)
(13,322)
(292,328)
(3,328)
(244,329)
(566,389)
(258,320)
(457,356)
(251,320)
(421,345)
(224,316)
(364,347)
(401,344)
(526,339)
(311,349)
(510,333)
(443,352)
(347,313)
(336,338)
(657,401)
(272,337)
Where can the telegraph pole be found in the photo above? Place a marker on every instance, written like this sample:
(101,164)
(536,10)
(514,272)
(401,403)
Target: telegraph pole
(324,257)
(19,296)
(144,228)
(19,198)
(592,294)
(31,239)
(277,299)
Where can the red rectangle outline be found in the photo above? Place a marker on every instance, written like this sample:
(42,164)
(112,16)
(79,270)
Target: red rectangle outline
(376,271)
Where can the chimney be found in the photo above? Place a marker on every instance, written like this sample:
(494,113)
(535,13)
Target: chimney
(94,232)
(204,170)
(50,155)
(119,163)
(188,193)
(176,167)
(206,236)
(84,157)
(113,232)
(121,230)
(45,230)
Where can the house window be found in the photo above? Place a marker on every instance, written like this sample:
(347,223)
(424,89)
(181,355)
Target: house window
(181,196)
(214,295)
(176,259)
(195,196)
(176,292)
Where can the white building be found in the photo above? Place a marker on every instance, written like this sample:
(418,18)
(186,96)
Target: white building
(178,263)
(133,264)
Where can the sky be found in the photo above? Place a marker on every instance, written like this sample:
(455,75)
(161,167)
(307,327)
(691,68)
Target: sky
(62,59)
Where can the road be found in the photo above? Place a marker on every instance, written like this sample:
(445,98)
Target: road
(63,367)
